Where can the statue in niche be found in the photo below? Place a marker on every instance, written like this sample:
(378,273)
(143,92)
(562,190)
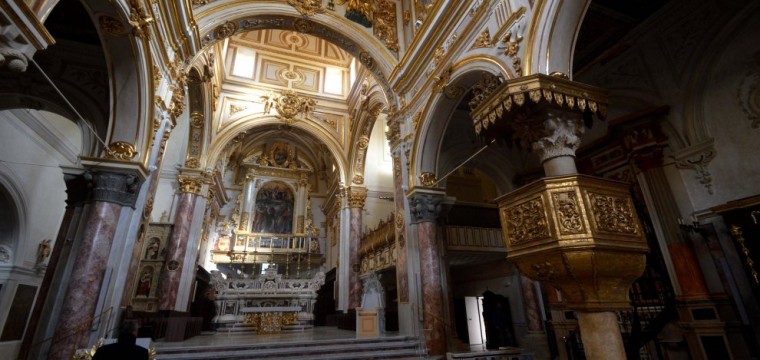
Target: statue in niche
(43,251)
(151,252)
(164,217)
(274,209)
(145,281)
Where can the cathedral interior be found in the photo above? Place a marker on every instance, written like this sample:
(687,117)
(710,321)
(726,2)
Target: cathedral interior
(557,179)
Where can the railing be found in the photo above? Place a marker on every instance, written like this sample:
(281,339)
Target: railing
(102,323)
(468,238)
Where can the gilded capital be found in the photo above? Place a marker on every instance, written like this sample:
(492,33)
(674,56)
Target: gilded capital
(357,197)
(190,184)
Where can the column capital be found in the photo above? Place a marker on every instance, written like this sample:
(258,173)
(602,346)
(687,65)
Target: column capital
(356,196)
(425,205)
(114,181)
(550,133)
(190,184)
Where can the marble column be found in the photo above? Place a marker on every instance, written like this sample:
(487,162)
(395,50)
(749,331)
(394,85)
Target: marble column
(189,187)
(111,191)
(356,199)
(425,207)
(77,192)
(246,207)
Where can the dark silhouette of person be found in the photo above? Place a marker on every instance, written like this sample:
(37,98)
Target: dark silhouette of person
(499,319)
(125,348)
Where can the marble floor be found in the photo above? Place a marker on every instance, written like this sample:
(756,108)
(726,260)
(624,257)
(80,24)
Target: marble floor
(224,338)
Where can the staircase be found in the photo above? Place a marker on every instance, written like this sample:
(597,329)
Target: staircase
(394,347)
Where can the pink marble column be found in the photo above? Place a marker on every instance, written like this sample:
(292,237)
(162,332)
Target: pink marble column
(111,191)
(168,287)
(175,252)
(425,208)
(355,237)
(76,190)
(530,303)
(356,198)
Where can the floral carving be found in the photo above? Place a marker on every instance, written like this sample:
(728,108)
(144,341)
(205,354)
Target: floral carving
(120,150)
(568,212)
(526,222)
(613,213)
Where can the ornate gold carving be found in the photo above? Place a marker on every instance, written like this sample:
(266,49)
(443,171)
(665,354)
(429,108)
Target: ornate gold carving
(289,104)
(225,30)
(111,25)
(244,216)
(568,212)
(526,222)
(363,142)
(738,235)
(483,89)
(613,213)
(140,20)
(156,77)
(441,81)
(428,179)
(177,106)
(234,108)
(492,100)
(192,163)
(416,120)
(399,220)
(120,150)
(307,7)
(190,184)
(511,50)
(358,179)
(594,263)
(483,40)
(356,199)
(385,24)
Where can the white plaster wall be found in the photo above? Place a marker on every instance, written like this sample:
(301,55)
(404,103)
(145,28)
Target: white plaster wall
(735,170)
(378,170)
(33,146)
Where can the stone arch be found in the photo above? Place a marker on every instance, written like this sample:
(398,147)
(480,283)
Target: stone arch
(363,131)
(12,216)
(550,38)
(219,21)
(131,103)
(430,132)
(223,138)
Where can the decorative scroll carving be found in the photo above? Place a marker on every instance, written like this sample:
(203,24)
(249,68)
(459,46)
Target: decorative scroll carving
(120,150)
(526,222)
(613,213)
(568,212)
(385,24)
(697,158)
(307,7)
(111,25)
(511,50)
(140,20)
(196,140)
(289,105)
(483,40)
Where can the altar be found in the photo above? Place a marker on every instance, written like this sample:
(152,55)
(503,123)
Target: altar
(265,304)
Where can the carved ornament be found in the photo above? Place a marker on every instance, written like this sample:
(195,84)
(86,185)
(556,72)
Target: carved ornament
(428,179)
(483,40)
(190,184)
(114,187)
(511,50)
(357,179)
(579,234)
(425,207)
(111,26)
(225,30)
(140,20)
(697,157)
(307,7)
(356,199)
(120,150)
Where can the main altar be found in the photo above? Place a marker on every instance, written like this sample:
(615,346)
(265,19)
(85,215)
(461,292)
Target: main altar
(267,252)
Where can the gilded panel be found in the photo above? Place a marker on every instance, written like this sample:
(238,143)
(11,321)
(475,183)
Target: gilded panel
(568,211)
(613,214)
(526,222)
